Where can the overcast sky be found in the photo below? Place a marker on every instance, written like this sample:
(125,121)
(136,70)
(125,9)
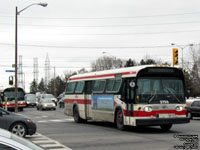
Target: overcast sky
(76,32)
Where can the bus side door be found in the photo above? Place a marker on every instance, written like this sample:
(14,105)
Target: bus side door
(87,98)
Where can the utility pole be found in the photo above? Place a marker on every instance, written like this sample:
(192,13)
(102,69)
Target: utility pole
(55,81)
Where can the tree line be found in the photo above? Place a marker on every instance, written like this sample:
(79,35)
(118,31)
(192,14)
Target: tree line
(191,72)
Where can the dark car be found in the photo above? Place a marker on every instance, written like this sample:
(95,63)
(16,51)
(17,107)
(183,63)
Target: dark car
(194,110)
(17,124)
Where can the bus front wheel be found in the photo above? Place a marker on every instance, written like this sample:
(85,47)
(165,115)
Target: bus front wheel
(166,127)
(120,120)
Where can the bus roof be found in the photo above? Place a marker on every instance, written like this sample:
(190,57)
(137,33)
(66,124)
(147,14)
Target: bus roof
(106,74)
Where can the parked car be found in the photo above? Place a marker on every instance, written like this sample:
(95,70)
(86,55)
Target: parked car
(194,109)
(46,104)
(192,99)
(16,123)
(61,103)
(49,96)
(9,141)
(30,100)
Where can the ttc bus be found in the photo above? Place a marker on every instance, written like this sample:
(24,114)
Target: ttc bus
(9,93)
(135,96)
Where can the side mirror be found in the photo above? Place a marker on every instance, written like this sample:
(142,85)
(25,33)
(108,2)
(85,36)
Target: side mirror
(1,114)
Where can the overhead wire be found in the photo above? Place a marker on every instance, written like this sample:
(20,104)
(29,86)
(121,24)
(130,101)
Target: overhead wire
(121,17)
(98,26)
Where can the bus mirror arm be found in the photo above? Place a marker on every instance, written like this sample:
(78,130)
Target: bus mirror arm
(1,114)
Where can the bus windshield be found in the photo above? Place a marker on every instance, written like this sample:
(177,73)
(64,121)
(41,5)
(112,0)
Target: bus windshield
(11,95)
(159,89)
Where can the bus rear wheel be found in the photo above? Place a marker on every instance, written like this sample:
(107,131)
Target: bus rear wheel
(166,127)
(120,120)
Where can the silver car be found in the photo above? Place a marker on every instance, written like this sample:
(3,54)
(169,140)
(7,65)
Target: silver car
(45,104)
(9,141)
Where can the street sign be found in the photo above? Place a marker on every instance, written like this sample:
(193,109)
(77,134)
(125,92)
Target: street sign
(10,70)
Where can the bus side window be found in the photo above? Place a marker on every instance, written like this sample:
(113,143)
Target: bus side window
(70,87)
(99,86)
(79,87)
(113,85)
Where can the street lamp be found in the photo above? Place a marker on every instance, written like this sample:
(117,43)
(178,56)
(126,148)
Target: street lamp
(182,47)
(108,54)
(16,14)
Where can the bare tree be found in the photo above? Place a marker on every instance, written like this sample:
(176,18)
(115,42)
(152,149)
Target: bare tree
(106,63)
(193,67)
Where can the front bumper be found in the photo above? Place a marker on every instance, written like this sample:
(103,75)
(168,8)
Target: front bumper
(31,128)
(48,107)
(161,121)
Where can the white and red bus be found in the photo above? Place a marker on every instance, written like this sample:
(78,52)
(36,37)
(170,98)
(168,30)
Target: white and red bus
(9,94)
(134,96)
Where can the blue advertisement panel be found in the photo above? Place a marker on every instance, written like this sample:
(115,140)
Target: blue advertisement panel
(103,102)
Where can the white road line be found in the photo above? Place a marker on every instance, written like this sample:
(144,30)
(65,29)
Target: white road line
(50,145)
(55,120)
(42,121)
(46,142)
(41,117)
(43,141)
(61,149)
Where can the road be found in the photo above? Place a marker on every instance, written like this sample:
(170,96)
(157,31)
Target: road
(59,132)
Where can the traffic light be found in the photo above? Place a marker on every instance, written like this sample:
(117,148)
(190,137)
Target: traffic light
(175,56)
(11,80)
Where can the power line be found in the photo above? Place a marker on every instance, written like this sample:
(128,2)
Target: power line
(129,34)
(98,26)
(98,47)
(123,17)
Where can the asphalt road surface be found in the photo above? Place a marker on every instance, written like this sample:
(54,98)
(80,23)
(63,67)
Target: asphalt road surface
(56,131)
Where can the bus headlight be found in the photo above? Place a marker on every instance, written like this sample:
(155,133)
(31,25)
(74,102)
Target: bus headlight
(148,109)
(179,108)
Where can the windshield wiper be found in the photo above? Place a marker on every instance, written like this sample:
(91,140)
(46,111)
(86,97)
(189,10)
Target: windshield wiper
(152,97)
(173,95)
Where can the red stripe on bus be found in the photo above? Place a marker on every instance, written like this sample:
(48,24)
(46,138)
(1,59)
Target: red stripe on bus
(13,105)
(101,76)
(154,113)
(79,101)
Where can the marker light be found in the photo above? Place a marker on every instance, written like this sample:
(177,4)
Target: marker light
(179,108)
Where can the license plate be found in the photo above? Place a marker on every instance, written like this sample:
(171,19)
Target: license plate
(166,115)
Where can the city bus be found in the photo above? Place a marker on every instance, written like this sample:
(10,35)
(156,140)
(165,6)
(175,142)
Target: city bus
(9,95)
(148,95)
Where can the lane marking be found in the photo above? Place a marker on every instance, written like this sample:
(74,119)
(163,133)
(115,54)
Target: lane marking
(47,143)
(55,120)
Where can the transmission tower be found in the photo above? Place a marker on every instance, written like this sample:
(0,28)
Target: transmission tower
(20,73)
(47,70)
(35,69)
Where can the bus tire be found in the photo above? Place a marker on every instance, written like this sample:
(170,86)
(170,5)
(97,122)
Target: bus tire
(120,120)
(166,127)
(76,115)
